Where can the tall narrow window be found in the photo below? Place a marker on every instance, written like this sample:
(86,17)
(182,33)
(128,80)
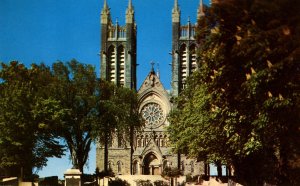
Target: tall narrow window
(119,164)
(109,165)
(111,64)
(192,166)
(135,167)
(183,65)
(182,166)
(165,164)
(121,65)
(139,143)
(193,64)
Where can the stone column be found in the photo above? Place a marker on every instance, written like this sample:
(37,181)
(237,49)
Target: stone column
(73,177)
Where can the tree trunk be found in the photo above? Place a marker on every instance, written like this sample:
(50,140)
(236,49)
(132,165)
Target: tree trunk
(219,168)
(131,149)
(283,169)
(206,168)
(179,161)
(106,152)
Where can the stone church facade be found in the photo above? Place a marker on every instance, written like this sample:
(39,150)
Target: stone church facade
(152,151)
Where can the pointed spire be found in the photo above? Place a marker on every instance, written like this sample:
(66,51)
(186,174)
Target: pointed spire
(105,4)
(130,4)
(157,73)
(176,7)
(105,14)
(176,4)
(130,12)
(176,12)
(200,11)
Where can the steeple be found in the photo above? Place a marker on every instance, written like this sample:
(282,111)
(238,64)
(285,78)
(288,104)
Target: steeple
(130,13)
(157,71)
(130,4)
(200,11)
(105,13)
(176,12)
(176,4)
(105,4)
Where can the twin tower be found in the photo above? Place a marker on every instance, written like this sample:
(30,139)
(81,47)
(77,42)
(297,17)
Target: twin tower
(118,48)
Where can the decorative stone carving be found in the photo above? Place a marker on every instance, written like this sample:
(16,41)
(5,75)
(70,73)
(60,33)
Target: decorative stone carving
(153,115)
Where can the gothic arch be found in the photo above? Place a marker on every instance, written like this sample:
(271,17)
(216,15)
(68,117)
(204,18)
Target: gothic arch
(155,96)
(110,165)
(151,164)
(119,167)
(192,57)
(135,167)
(121,65)
(111,63)
(183,59)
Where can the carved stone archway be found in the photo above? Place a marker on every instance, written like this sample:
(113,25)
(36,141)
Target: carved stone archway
(151,165)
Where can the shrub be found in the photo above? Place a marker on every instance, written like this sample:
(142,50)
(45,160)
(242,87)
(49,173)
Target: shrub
(144,183)
(118,182)
(160,183)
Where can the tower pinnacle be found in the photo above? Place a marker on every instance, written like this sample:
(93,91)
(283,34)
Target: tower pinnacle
(200,11)
(105,4)
(105,7)
(130,13)
(176,12)
(130,4)
(105,13)
(176,4)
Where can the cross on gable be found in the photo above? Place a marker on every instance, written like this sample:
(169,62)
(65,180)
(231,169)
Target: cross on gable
(152,66)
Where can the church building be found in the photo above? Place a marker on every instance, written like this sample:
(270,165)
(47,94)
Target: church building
(152,151)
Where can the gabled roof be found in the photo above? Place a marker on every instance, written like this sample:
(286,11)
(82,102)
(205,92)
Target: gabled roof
(152,82)
(151,147)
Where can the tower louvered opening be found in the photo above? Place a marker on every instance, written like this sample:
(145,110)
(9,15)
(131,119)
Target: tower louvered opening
(121,66)
(112,64)
(183,64)
(193,63)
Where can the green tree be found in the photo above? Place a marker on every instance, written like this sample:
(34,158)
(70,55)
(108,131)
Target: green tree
(242,106)
(26,137)
(118,116)
(74,87)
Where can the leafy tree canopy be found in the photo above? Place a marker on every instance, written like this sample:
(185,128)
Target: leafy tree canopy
(74,86)
(27,119)
(242,105)
(117,116)
(41,105)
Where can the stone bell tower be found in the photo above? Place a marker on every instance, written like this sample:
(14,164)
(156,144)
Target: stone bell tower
(183,48)
(118,48)
(118,65)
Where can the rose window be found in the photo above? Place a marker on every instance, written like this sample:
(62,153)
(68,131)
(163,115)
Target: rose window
(153,114)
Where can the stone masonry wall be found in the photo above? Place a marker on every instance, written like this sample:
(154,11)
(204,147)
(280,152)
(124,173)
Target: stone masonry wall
(115,156)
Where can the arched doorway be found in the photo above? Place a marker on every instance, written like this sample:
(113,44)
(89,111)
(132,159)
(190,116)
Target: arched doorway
(151,165)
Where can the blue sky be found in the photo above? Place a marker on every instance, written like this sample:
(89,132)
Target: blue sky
(34,31)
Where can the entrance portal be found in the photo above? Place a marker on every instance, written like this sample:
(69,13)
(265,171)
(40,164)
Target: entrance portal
(151,165)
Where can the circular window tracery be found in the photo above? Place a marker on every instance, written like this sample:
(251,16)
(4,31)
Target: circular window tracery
(153,115)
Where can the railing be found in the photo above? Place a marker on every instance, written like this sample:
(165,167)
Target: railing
(117,32)
(187,31)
